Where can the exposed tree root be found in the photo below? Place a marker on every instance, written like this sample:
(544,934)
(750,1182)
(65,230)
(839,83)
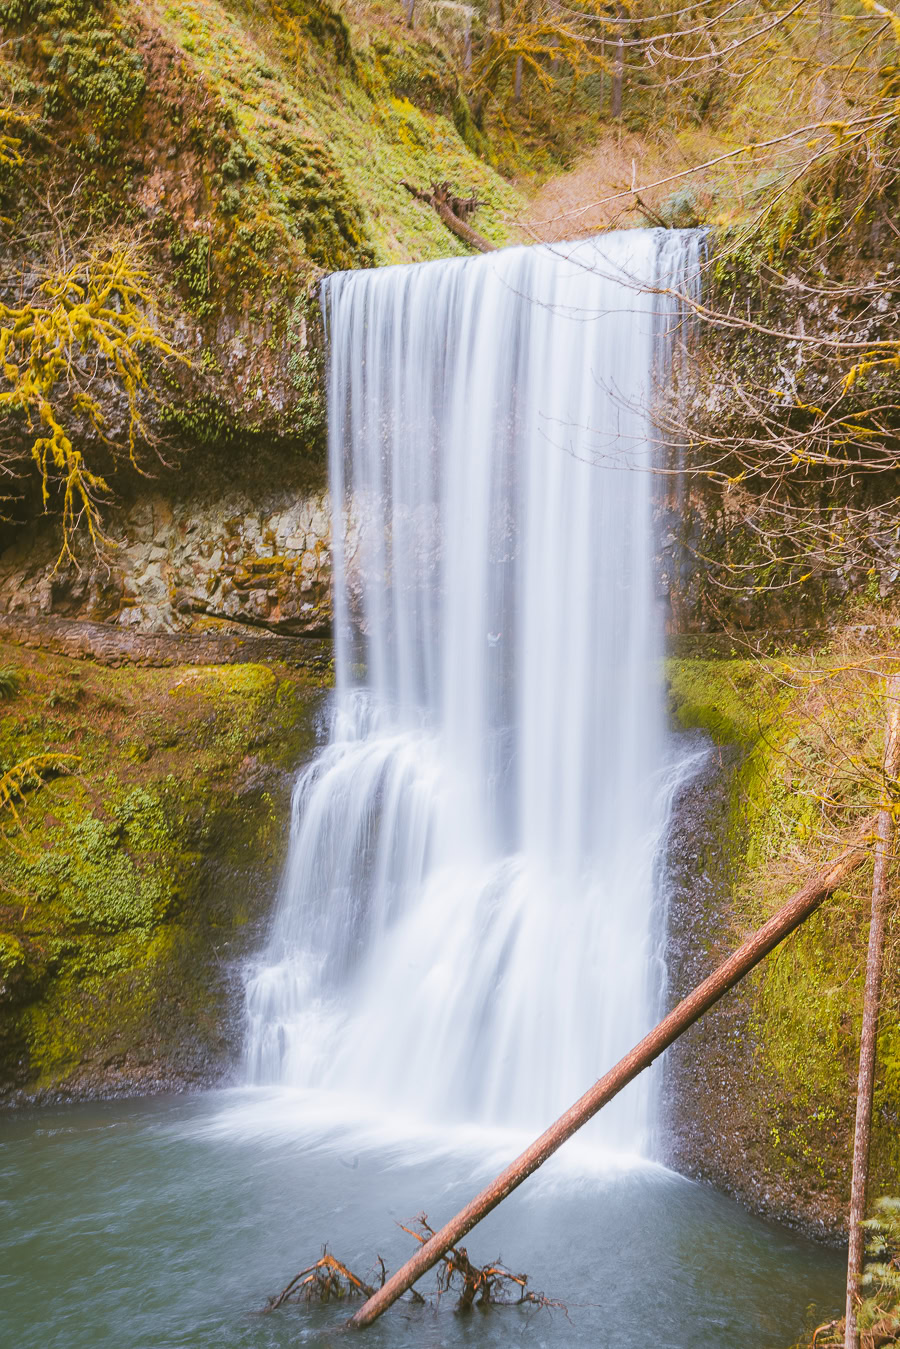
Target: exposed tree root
(490,1285)
(476,1283)
(454,211)
(325,1281)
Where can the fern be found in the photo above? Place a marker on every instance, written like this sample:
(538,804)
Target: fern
(29,775)
(879,1311)
(10,682)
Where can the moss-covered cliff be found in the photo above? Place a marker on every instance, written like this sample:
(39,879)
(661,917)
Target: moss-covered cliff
(763,1090)
(131,882)
(226,155)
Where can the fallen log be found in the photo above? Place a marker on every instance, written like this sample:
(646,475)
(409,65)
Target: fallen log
(871,1006)
(453,210)
(739,963)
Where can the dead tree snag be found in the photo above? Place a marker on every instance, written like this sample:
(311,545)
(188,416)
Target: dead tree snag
(454,211)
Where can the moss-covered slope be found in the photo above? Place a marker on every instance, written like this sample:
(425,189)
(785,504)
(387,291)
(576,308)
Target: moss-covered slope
(130,884)
(236,150)
(766,1084)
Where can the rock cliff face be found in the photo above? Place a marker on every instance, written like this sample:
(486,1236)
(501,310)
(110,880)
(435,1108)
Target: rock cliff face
(174,564)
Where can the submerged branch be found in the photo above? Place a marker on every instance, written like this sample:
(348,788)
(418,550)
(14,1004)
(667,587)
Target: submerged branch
(328,1280)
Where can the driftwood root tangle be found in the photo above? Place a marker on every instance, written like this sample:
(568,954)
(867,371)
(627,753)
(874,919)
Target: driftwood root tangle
(454,211)
(326,1281)
(704,996)
(482,1284)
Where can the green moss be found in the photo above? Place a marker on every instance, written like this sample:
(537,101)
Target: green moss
(204,420)
(191,259)
(123,880)
(46,11)
(12,957)
(811,738)
(98,72)
(729,699)
(223,681)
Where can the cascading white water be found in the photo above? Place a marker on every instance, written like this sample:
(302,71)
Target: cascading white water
(467,927)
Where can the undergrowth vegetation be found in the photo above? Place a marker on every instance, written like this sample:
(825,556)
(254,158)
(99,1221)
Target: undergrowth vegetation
(878,1314)
(812,729)
(133,803)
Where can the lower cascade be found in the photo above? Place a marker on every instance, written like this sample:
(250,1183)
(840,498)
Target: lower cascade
(470,923)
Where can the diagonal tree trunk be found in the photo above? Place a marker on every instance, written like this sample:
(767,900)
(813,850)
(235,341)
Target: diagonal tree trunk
(871,1005)
(739,963)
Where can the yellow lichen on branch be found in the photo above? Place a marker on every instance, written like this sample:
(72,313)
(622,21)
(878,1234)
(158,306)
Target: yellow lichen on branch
(27,776)
(540,36)
(13,120)
(84,325)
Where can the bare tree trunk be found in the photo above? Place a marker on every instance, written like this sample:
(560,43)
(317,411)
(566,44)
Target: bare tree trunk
(603,70)
(871,1005)
(619,73)
(410,11)
(826,32)
(462,230)
(750,953)
(467,52)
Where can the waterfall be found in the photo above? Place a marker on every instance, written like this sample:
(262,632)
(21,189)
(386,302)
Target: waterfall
(468,927)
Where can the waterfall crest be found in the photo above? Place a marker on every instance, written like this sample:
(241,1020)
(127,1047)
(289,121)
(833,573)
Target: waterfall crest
(468,927)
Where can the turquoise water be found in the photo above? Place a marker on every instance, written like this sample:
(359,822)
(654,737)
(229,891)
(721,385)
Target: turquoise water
(162,1223)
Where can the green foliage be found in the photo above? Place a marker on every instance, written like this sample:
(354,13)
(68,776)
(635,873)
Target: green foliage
(46,12)
(468,128)
(305,178)
(95,71)
(307,376)
(123,876)
(323,23)
(204,420)
(682,210)
(12,958)
(10,681)
(879,1311)
(318,145)
(191,256)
